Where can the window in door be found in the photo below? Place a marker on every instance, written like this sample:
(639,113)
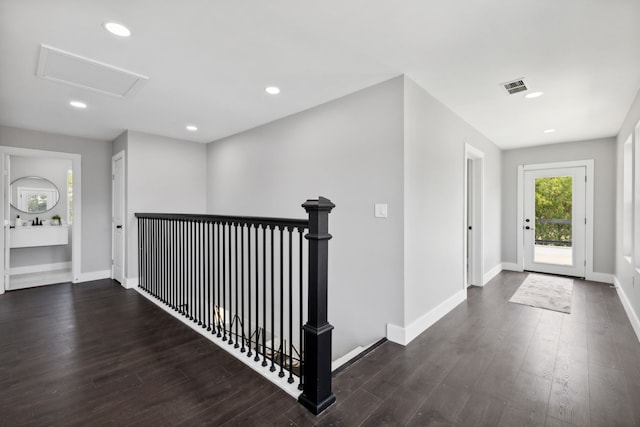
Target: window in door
(553,237)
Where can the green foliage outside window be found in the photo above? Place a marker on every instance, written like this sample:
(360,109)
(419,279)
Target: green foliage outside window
(553,210)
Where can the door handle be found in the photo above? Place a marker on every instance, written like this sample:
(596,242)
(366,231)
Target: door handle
(118,226)
(528,228)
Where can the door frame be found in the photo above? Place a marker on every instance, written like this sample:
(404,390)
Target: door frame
(475,253)
(119,155)
(76,226)
(588,165)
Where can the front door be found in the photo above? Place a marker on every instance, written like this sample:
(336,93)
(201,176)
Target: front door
(555,220)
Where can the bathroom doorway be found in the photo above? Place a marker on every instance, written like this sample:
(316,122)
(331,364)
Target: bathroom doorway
(41,218)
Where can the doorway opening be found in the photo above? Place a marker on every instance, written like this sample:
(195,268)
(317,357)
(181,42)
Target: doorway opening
(41,233)
(473,216)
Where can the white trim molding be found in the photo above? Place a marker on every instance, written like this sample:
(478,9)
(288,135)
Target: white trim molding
(404,335)
(600,277)
(40,268)
(93,275)
(491,274)
(511,266)
(130,282)
(628,308)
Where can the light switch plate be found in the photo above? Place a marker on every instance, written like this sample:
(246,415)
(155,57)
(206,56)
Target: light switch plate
(380,210)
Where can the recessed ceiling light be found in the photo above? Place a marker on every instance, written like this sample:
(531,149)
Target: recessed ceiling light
(533,95)
(117,29)
(549,130)
(78,104)
(192,128)
(272,90)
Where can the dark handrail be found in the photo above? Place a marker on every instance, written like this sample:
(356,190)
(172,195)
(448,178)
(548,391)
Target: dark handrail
(251,220)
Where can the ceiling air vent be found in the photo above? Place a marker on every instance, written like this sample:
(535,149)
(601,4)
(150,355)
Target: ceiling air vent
(75,70)
(514,86)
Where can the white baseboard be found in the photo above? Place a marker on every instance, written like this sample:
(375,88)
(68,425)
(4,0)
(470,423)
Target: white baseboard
(40,268)
(628,308)
(510,266)
(93,275)
(130,283)
(491,274)
(600,277)
(335,364)
(405,335)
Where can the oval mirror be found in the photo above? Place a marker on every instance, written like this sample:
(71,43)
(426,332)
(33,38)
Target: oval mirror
(34,194)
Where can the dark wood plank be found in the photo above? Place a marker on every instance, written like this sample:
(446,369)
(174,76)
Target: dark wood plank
(74,354)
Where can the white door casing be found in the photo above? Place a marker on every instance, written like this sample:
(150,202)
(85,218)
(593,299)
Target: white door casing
(571,260)
(6,194)
(118,220)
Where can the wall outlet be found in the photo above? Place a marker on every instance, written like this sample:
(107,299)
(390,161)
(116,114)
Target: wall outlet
(380,210)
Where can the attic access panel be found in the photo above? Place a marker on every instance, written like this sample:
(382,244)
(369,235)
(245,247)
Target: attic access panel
(65,67)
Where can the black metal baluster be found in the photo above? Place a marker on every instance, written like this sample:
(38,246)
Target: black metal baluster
(183,289)
(174,286)
(224,282)
(281,373)
(151,255)
(242,349)
(301,299)
(155,258)
(264,295)
(199,258)
(191,270)
(219,269)
(168,260)
(208,275)
(163,266)
(257,285)
(290,231)
(235,261)
(214,328)
(273,314)
(194,266)
(230,283)
(141,260)
(249,352)
(147,251)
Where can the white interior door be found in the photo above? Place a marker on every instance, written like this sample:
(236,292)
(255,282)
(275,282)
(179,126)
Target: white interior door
(118,222)
(554,230)
(470,221)
(474,205)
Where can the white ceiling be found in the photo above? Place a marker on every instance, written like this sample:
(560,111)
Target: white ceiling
(208,62)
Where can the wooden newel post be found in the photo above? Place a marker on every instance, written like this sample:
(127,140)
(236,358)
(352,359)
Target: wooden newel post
(316,393)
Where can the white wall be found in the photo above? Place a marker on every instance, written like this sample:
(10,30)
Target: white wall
(162,175)
(96,187)
(602,151)
(627,277)
(350,151)
(434,157)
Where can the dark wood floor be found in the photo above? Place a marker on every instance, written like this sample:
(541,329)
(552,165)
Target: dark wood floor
(95,354)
